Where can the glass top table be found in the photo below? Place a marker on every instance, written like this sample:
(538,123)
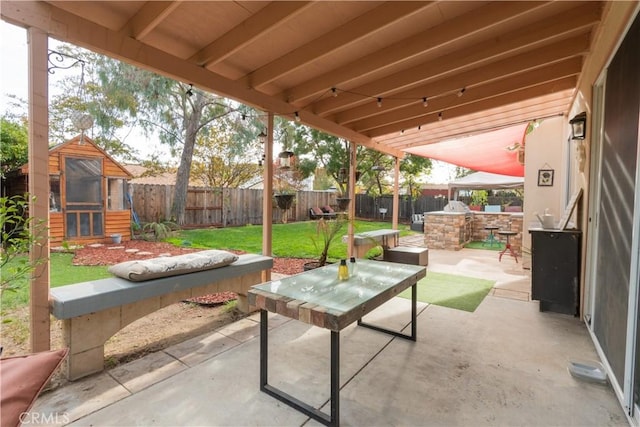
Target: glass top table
(318,298)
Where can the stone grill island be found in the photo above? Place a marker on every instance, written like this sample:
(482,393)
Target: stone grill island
(452,230)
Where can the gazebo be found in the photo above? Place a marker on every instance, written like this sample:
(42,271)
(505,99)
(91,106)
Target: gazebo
(484,181)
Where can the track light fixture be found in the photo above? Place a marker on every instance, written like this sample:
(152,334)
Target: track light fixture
(379,102)
(440,116)
(334,91)
(461,92)
(189,91)
(424,102)
(297,116)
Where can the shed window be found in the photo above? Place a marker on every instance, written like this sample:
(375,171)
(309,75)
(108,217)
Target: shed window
(84,182)
(117,190)
(54,193)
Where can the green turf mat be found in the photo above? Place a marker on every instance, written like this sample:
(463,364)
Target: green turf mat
(449,290)
(496,246)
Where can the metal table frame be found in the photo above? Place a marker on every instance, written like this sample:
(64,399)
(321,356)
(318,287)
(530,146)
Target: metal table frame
(334,418)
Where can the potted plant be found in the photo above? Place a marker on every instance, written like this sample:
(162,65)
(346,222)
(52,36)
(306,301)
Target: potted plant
(327,233)
(288,181)
(343,203)
(479,198)
(284,200)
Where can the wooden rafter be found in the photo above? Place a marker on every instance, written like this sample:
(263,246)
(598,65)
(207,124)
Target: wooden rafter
(148,18)
(244,33)
(350,32)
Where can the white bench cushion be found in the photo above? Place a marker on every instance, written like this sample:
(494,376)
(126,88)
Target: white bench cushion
(141,270)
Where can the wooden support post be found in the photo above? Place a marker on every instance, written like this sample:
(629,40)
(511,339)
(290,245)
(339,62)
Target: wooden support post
(39,187)
(267,200)
(396,188)
(352,195)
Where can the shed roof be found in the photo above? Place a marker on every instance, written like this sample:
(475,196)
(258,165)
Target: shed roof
(24,169)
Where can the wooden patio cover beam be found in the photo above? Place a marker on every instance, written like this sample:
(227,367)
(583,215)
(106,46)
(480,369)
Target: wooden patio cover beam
(71,28)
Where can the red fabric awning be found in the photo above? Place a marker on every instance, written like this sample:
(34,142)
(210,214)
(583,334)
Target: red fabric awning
(495,151)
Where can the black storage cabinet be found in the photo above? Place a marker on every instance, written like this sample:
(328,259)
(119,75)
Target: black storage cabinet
(555,270)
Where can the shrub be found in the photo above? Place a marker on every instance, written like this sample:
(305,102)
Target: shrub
(20,234)
(159,230)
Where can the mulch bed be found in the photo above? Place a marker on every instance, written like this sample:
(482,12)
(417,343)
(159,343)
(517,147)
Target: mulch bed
(110,254)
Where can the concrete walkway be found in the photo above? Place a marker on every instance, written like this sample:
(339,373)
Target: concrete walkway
(504,364)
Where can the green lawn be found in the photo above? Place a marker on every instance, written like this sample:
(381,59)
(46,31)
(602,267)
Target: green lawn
(62,273)
(292,240)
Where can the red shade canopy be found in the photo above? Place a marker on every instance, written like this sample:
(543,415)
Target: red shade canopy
(495,151)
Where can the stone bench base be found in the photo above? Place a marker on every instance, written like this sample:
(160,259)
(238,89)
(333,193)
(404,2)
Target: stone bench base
(407,255)
(364,242)
(92,312)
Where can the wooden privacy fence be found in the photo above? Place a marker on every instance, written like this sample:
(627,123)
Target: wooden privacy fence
(369,206)
(220,207)
(237,206)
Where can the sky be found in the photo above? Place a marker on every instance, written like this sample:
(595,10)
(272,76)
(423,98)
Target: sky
(13,54)
(13,81)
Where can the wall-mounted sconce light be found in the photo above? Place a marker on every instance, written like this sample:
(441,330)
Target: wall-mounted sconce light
(579,126)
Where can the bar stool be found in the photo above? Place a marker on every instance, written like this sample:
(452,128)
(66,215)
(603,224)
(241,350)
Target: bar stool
(491,238)
(508,234)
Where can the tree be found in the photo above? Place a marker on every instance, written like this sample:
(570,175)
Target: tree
(219,163)
(82,91)
(411,167)
(14,143)
(321,150)
(177,112)
(375,166)
(462,171)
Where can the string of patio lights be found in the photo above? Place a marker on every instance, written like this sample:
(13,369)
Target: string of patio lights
(335,92)
(286,156)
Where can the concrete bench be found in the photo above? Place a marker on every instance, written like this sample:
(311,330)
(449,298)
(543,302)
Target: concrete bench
(407,255)
(363,242)
(93,311)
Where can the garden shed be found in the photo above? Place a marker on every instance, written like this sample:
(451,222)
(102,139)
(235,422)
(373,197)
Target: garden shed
(87,193)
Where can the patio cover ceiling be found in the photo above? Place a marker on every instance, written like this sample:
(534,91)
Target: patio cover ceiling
(393,76)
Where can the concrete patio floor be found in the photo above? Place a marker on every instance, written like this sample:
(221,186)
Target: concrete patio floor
(504,364)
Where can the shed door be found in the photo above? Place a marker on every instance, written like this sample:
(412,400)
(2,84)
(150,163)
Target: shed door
(84,207)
